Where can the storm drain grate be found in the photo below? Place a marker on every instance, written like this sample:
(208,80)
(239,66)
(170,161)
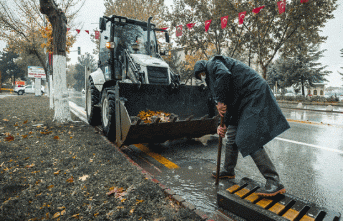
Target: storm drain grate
(242,200)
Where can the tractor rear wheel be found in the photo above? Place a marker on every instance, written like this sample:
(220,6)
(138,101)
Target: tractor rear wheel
(92,98)
(108,114)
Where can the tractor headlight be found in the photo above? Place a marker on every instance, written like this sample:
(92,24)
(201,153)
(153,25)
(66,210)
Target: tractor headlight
(110,45)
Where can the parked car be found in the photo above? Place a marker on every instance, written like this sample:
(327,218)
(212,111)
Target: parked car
(19,89)
(29,89)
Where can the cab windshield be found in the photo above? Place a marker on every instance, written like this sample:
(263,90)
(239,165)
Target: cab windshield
(135,38)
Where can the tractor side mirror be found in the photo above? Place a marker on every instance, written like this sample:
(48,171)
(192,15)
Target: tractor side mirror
(102,24)
(167,37)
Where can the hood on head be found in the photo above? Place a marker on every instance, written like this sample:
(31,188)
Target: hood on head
(199,67)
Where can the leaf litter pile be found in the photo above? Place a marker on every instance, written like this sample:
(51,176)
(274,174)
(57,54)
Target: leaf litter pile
(149,115)
(51,171)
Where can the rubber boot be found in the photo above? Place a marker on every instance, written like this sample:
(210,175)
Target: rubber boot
(267,168)
(231,155)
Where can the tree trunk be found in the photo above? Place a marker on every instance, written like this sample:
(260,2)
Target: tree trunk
(302,86)
(264,72)
(59,29)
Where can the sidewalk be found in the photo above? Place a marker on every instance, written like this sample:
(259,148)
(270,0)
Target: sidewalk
(69,171)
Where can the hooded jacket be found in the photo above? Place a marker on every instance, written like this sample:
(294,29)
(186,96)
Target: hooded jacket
(251,105)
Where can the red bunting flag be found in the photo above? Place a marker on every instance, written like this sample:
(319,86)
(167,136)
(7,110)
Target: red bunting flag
(190,25)
(241,17)
(224,21)
(87,31)
(97,33)
(282,6)
(179,31)
(68,29)
(164,28)
(78,31)
(207,24)
(303,1)
(257,10)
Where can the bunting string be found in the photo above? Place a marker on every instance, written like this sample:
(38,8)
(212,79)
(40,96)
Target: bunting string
(224,20)
(241,16)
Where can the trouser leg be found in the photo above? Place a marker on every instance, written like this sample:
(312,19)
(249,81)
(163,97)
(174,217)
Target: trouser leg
(231,150)
(265,165)
(268,170)
(231,155)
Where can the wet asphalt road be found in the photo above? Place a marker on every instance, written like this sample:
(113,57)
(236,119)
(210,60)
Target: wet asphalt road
(308,157)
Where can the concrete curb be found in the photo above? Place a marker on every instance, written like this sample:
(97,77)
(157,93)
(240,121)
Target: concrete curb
(167,191)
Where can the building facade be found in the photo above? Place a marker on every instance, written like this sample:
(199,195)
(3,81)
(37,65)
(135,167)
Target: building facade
(317,90)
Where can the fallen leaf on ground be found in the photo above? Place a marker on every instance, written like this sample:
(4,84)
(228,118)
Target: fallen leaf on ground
(61,207)
(24,136)
(57,172)
(119,192)
(5,120)
(56,215)
(132,210)
(63,212)
(76,216)
(25,122)
(29,166)
(83,178)
(9,138)
(139,201)
(56,137)
(96,214)
(70,180)
(46,132)
(51,186)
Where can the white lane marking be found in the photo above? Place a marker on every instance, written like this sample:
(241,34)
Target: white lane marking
(311,145)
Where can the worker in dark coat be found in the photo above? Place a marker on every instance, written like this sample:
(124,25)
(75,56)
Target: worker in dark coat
(252,116)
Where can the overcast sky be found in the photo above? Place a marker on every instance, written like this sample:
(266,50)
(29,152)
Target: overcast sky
(93,10)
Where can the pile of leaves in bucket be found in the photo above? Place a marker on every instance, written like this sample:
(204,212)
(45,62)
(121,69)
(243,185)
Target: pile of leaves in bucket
(51,171)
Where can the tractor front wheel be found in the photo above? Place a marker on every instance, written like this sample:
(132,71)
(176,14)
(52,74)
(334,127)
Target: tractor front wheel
(92,98)
(108,114)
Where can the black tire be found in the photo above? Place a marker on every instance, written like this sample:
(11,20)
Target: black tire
(21,92)
(108,114)
(92,99)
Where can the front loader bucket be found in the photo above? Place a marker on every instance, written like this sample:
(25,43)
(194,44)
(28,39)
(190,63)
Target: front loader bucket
(188,103)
